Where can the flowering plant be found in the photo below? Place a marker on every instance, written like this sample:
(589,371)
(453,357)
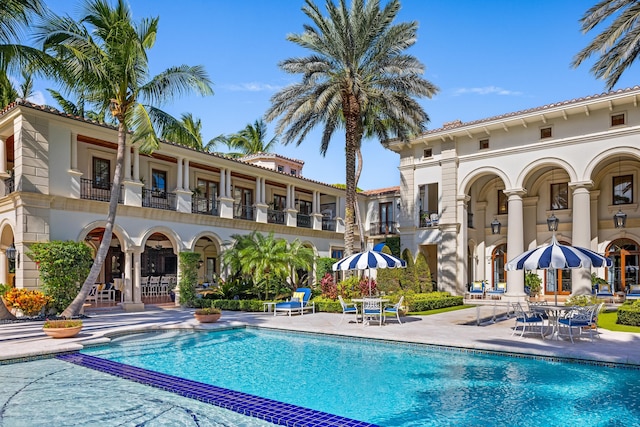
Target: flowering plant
(31,302)
(329,287)
(62,323)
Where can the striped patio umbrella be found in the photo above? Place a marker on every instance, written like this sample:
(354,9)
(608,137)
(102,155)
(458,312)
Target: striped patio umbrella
(368,260)
(557,256)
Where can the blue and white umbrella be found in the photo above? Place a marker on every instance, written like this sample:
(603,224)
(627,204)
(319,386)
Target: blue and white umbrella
(368,260)
(557,256)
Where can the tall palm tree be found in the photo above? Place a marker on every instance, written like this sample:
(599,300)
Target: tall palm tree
(105,54)
(15,16)
(618,45)
(357,78)
(250,140)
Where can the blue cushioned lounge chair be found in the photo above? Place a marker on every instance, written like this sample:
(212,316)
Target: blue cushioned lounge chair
(298,303)
(476,290)
(604,292)
(633,292)
(499,290)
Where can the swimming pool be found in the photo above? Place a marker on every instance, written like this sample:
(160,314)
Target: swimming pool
(390,384)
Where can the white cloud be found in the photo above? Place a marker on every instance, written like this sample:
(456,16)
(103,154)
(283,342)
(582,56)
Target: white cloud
(487,90)
(251,87)
(37,97)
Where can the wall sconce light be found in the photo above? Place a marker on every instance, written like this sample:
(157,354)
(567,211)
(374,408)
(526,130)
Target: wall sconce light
(13,254)
(495,226)
(200,264)
(552,223)
(620,219)
(398,205)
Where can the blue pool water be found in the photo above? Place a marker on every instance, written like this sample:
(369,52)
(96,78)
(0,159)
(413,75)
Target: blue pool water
(390,384)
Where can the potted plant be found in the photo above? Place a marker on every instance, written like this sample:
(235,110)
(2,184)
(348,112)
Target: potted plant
(534,283)
(62,328)
(207,314)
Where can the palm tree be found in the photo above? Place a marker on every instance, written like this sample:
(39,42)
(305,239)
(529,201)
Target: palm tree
(617,45)
(78,108)
(250,140)
(15,15)
(104,56)
(266,258)
(356,77)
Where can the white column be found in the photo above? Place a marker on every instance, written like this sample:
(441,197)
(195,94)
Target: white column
(263,190)
(581,277)
(137,271)
(128,279)
(258,190)
(136,163)
(127,163)
(228,190)
(73,160)
(515,240)
(3,268)
(289,196)
(185,181)
(223,182)
(179,174)
(314,202)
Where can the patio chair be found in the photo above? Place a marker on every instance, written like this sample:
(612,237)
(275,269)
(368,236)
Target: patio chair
(527,319)
(350,308)
(582,318)
(476,290)
(498,291)
(298,303)
(633,292)
(393,309)
(371,308)
(605,292)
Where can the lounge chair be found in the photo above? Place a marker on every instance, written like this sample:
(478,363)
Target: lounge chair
(476,290)
(583,318)
(298,303)
(498,291)
(350,308)
(604,292)
(393,309)
(527,319)
(633,292)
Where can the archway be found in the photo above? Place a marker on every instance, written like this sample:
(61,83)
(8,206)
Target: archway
(498,261)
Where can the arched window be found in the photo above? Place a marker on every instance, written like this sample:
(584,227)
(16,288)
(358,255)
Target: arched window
(498,260)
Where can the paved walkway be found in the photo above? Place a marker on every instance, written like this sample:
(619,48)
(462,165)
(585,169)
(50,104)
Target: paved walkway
(457,329)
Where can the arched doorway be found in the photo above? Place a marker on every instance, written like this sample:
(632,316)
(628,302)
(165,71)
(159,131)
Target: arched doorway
(624,254)
(558,280)
(498,261)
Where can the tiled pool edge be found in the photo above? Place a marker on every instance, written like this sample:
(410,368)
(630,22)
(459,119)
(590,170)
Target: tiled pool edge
(246,404)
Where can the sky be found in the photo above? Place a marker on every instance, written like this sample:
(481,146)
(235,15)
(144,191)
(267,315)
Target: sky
(487,58)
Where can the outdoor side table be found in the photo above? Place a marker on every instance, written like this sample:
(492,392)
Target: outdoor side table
(268,306)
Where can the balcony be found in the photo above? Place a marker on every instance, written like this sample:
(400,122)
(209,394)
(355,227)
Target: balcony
(276,217)
(204,206)
(94,190)
(9,186)
(377,228)
(429,219)
(243,212)
(158,199)
(303,220)
(328,224)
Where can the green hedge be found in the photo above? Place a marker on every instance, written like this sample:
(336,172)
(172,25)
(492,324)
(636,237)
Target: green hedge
(629,313)
(414,302)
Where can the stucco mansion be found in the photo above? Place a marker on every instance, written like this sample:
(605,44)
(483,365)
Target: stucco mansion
(471,196)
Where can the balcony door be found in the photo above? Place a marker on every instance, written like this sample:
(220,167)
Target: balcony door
(385,212)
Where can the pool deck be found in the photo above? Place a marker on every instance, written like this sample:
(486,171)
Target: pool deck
(453,329)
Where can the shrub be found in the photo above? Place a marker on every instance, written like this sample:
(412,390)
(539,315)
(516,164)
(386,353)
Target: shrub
(629,313)
(30,302)
(367,288)
(188,278)
(432,301)
(63,267)
(208,310)
(327,305)
(349,287)
(581,300)
(329,287)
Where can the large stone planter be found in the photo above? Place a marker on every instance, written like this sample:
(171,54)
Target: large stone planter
(207,318)
(62,332)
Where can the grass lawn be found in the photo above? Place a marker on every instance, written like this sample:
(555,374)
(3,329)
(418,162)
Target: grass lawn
(607,320)
(441,310)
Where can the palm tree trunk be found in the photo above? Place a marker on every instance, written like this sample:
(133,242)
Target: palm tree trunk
(351,110)
(357,206)
(76,305)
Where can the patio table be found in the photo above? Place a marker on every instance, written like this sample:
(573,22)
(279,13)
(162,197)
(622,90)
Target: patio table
(380,302)
(553,313)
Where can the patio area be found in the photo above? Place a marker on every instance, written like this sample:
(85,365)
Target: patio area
(453,329)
